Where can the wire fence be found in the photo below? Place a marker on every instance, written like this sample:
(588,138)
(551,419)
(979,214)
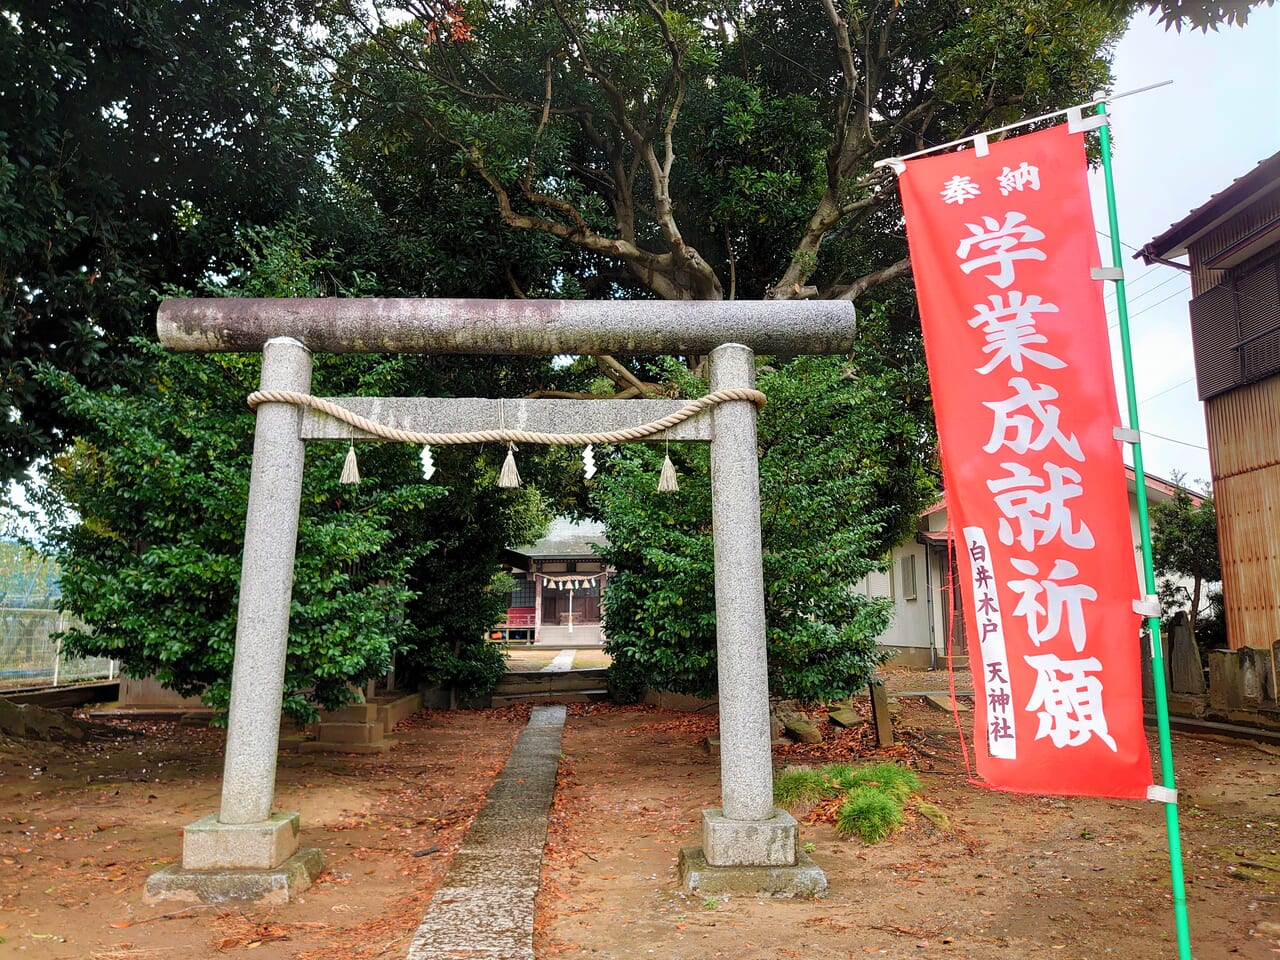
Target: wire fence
(30,657)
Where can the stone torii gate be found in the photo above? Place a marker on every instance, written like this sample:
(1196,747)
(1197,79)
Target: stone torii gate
(246,851)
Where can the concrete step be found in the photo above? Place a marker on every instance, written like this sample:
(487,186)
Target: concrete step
(579,696)
(540,689)
(349,732)
(393,709)
(567,681)
(352,713)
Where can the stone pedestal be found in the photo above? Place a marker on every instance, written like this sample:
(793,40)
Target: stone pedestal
(751,858)
(756,843)
(238,862)
(804,879)
(279,885)
(208,844)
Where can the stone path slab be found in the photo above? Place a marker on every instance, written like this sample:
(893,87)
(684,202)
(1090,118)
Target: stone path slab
(562,663)
(483,907)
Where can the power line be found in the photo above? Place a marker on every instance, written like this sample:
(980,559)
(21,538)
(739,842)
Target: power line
(1196,446)
(1164,282)
(1181,383)
(1107,236)
(1150,306)
(1131,285)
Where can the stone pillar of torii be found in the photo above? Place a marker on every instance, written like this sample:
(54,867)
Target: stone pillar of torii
(247,851)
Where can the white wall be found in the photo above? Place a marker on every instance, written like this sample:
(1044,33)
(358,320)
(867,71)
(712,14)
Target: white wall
(909,631)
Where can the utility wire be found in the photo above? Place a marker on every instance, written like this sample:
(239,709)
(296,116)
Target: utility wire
(1166,281)
(1107,236)
(1181,383)
(1184,443)
(1150,306)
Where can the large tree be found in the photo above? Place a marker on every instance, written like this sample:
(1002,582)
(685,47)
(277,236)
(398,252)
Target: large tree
(548,148)
(136,137)
(696,151)
(145,515)
(685,150)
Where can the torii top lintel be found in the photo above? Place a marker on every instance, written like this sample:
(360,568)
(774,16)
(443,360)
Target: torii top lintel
(508,327)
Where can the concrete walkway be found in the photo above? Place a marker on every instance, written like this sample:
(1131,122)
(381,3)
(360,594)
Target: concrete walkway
(562,663)
(483,907)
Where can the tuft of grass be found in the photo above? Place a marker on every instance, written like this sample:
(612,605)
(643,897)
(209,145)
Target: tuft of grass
(898,782)
(839,775)
(797,785)
(934,814)
(870,813)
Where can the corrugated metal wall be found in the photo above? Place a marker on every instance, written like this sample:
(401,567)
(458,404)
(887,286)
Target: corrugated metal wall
(1221,237)
(1244,432)
(1243,422)
(1234,328)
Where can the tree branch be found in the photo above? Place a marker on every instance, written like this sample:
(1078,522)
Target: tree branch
(580,233)
(862,284)
(542,126)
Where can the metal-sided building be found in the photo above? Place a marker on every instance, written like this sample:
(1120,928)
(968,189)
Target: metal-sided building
(1232,245)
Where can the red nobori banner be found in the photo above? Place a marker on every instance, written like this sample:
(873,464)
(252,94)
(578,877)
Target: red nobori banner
(1002,248)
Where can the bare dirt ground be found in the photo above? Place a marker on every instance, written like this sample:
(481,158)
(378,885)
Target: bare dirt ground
(82,825)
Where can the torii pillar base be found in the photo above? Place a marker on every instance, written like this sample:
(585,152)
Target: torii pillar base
(224,862)
(236,884)
(750,858)
(803,879)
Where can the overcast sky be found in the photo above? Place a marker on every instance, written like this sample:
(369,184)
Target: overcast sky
(1174,148)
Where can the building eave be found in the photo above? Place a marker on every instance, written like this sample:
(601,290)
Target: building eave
(1174,242)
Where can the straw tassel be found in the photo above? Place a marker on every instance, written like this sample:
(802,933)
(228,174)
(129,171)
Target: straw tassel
(510,476)
(350,468)
(667,479)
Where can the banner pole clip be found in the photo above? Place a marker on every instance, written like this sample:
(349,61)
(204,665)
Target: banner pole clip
(1107,273)
(1125,435)
(1162,794)
(1078,123)
(1150,607)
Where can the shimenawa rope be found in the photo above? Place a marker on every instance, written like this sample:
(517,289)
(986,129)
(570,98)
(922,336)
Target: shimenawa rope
(690,409)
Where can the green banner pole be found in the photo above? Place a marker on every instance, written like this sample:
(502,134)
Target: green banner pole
(1148,572)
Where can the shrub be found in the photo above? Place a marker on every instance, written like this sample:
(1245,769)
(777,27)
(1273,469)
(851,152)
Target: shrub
(869,812)
(898,782)
(798,785)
